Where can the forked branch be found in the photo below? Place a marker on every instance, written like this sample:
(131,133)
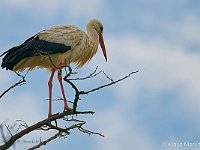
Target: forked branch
(47,124)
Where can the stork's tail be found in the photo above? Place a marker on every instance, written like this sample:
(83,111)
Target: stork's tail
(12,57)
(16,54)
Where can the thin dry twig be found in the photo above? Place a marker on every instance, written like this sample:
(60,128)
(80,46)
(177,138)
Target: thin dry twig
(46,141)
(22,123)
(19,83)
(58,99)
(108,77)
(106,85)
(2,134)
(58,128)
(89,132)
(8,128)
(46,124)
(93,74)
(38,125)
(62,132)
(44,54)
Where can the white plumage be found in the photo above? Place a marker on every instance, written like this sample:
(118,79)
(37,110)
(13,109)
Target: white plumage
(54,48)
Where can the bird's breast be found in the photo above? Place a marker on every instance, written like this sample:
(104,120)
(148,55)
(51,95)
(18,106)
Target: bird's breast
(82,47)
(80,53)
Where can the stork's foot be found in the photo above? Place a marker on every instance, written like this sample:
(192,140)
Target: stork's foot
(49,115)
(67,108)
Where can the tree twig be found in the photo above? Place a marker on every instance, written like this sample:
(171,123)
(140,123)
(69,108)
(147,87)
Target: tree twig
(89,132)
(106,85)
(46,141)
(19,83)
(7,127)
(2,133)
(46,124)
(38,125)
(93,74)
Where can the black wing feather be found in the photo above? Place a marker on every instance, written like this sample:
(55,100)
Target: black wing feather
(31,47)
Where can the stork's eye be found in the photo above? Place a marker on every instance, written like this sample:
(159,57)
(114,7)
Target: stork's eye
(101,28)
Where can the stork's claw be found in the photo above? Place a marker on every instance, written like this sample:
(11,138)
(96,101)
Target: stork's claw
(67,108)
(50,115)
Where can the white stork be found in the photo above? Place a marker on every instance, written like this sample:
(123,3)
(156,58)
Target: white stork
(54,48)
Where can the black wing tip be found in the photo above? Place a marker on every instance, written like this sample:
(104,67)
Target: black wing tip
(4,53)
(6,62)
(3,64)
(7,66)
(31,47)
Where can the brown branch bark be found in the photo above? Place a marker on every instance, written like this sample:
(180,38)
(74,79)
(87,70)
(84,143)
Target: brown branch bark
(38,125)
(46,125)
(46,141)
(109,84)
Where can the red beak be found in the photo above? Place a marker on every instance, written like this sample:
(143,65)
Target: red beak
(101,41)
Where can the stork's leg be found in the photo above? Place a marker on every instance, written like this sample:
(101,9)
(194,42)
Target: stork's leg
(62,89)
(50,92)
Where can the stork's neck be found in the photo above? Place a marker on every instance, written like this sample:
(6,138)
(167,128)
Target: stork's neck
(92,34)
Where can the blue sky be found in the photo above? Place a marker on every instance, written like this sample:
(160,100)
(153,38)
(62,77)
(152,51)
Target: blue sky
(159,104)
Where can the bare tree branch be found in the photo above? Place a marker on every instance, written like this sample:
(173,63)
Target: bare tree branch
(93,74)
(89,132)
(109,84)
(2,133)
(108,77)
(19,83)
(46,124)
(38,125)
(46,141)
(7,127)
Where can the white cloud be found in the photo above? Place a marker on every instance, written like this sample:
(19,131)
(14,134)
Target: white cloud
(163,64)
(121,132)
(5,80)
(185,30)
(82,7)
(22,106)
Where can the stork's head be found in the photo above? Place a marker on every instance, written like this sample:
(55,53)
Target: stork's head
(98,27)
